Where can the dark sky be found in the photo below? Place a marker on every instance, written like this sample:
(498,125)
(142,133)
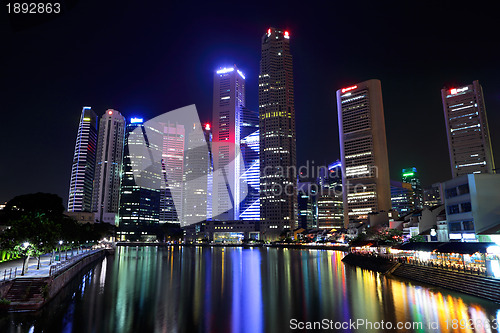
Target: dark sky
(145,58)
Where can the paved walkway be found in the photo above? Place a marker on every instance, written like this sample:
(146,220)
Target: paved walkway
(5,267)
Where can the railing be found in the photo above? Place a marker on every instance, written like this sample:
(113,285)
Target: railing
(56,268)
(9,274)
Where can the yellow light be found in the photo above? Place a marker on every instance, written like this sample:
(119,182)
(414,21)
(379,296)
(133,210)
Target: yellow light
(86,119)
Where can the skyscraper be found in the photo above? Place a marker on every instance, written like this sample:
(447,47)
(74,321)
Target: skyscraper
(278,180)
(410,176)
(83,169)
(197,170)
(363,146)
(228,102)
(142,182)
(467,129)
(108,167)
(174,136)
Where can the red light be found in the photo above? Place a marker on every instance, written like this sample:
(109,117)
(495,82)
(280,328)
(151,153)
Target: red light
(207,127)
(287,34)
(110,112)
(268,31)
(453,91)
(348,89)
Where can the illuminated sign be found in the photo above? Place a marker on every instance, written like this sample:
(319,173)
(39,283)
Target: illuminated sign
(287,34)
(136,120)
(86,119)
(225,70)
(455,91)
(348,89)
(86,107)
(408,174)
(207,127)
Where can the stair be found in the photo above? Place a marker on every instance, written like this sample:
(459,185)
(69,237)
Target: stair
(26,290)
(475,285)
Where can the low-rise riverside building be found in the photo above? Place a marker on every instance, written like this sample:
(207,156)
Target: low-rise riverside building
(223,231)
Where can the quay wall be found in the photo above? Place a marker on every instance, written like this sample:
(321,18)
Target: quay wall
(471,284)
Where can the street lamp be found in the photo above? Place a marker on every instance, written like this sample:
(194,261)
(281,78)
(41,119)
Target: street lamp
(60,244)
(25,246)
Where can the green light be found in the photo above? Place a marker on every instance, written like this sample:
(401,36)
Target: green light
(408,174)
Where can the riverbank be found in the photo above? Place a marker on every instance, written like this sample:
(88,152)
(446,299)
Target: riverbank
(475,285)
(30,293)
(276,245)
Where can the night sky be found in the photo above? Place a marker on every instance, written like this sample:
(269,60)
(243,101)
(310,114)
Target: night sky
(144,58)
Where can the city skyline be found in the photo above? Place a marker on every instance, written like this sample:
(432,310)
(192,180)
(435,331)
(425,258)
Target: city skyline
(142,94)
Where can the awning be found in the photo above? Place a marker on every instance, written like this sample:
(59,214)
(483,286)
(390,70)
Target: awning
(464,247)
(419,246)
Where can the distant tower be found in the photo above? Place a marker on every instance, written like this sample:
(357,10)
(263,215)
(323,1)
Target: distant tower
(411,177)
(278,179)
(363,146)
(83,169)
(228,102)
(108,166)
(467,129)
(141,183)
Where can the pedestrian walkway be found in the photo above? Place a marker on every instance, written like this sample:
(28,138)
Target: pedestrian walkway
(13,268)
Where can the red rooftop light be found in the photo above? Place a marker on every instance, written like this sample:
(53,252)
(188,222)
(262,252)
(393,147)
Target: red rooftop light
(207,127)
(110,112)
(348,89)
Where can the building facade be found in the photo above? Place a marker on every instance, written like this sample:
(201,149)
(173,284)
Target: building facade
(228,103)
(83,168)
(106,194)
(363,145)
(467,130)
(278,180)
(141,184)
(411,176)
(402,197)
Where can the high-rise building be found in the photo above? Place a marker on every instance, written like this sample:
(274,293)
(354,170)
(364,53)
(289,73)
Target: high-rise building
(307,205)
(83,169)
(363,146)
(278,179)
(141,183)
(402,197)
(228,102)
(330,210)
(467,129)
(197,170)
(250,179)
(411,176)
(108,170)
(433,195)
(174,136)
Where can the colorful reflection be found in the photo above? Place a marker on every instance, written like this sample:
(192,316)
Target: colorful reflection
(215,289)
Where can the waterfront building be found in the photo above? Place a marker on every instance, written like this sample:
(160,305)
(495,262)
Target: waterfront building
(278,179)
(197,176)
(228,109)
(402,197)
(363,145)
(171,196)
(411,176)
(106,193)
(472,205)
(467,130)
(83,168)
(142,182)
(307,205)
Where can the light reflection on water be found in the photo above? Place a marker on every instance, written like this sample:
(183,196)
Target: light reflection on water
(213,289)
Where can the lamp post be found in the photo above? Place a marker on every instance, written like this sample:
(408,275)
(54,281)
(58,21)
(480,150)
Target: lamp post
(60,244)
(25,246)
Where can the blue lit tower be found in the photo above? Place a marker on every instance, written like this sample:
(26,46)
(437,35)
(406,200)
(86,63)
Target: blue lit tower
(249,147)
(83,169)
(228,102)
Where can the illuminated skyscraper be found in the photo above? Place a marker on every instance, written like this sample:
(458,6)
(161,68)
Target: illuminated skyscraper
(109,158)
(83,169)
(142,182)
(467,129)
(363,146)
(174,136)
(228,103)
(278,180)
